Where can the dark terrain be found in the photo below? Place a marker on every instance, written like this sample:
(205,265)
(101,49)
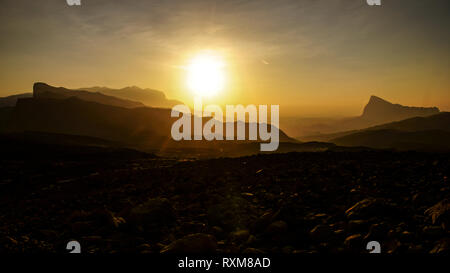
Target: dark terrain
(123,201)
(90,167)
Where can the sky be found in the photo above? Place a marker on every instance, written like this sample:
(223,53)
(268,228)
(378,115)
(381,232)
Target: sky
(312,57)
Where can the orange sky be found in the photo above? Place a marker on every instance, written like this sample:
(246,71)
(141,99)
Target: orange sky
(314,58)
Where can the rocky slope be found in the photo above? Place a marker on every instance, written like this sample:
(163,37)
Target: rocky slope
(328,202)
(45,91)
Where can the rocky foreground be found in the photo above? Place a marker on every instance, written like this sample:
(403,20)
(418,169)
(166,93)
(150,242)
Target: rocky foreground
(326,202)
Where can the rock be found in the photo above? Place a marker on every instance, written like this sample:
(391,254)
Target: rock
(339,234)
(433,231)
(321,233)
(144,248)
(354,242)
(287,250)
(251,239)
(253,251)
(442,247)
(277,227)
(192,244)
(264,220)
(193,227)
(11,240)
(358,226)
(407,236)
(440,213)
(415,249)
(218,232)
(393,246)
(229,213)
(239,236)
(421,198)
(152,214)
(103,216)
(368,207)
(116,222)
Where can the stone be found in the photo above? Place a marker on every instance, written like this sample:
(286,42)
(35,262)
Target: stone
(321,233)
(365,208)
(407,236)
(358,226)
(433,231)
(192,244)
(354,242)
(239,236)
(440,213)
(253,251)
(218,232)
(264,220)
(441,247)
(277,227)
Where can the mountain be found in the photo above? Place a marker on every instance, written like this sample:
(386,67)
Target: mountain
(149,97)
(376,112)
(142,128)
(439,121)
(379,110)
(419,133)
(75,116)
(432,140)
(42,90)
(11,100)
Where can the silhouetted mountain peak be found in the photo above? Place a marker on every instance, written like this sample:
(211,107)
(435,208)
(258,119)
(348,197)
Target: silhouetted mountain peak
(147,96)
(379,109)
(43,90)
(376,100)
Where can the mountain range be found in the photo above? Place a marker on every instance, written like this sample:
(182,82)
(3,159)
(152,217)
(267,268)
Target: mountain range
(56,112)
(149,97)
(128,97)
(376,112)
(83,113)
(418,133)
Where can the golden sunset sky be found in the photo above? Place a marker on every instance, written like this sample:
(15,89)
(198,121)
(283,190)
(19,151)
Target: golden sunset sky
(312,57)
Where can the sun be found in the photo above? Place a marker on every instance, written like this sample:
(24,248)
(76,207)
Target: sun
(205,74)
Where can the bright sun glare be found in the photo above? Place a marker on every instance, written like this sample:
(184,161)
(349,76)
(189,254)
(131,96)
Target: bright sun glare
(206,75)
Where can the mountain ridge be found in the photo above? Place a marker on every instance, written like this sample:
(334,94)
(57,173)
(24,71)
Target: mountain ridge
(43,90)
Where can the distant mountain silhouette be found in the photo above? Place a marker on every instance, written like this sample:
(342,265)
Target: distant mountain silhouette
(149,97)
(79,117)
(379,110)
(142,128)
(42,90)
(11,100)
(419,133)
(432,140)
(376,112)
